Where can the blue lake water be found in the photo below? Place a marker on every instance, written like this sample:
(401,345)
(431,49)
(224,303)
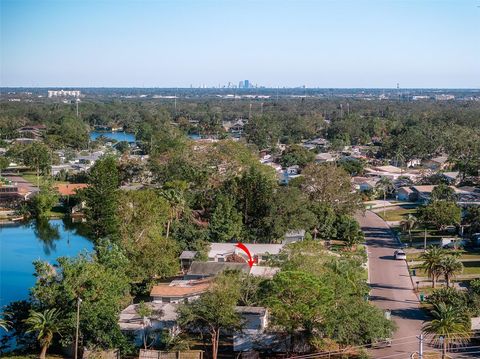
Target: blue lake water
(118,136)
(20,245)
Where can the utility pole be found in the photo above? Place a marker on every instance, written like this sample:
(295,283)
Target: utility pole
(176,91)
(420,346)
(79,300)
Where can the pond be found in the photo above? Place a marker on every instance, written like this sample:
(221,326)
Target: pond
(118,136)
(21,244)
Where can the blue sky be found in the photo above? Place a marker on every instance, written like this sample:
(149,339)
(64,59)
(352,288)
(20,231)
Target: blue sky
(155,43)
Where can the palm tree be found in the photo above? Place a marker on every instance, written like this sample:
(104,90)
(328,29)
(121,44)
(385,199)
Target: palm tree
(46,325)
(177,206)
(386,186)
(408,224)
(4,322)
(450,266)
(449,325)
(432,259)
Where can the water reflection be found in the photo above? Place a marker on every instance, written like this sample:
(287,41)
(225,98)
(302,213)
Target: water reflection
(47,233)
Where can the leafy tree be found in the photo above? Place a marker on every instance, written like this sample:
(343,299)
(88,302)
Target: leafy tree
(441,213)
(330,185)
(226,221)
(46,324)
(353,166)
(432,260)
(262,131)
(295,309)
(214,311)
(348,230)
(154,257)
(103,287)
(443,192)
(4,163)
(254,193)
(449,325)
(290,211)
(472,219)
(69,132)
(37,156)
(141,213)
(296,155)
(43,201)
(450,266)
(102,198)
(450,296)
(326,220)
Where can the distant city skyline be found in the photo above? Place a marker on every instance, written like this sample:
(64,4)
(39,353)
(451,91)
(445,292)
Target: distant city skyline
(181,43)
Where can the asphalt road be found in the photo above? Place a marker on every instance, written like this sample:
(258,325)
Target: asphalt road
(391,287)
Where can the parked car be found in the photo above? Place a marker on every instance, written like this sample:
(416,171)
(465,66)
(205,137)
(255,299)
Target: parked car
(399,255)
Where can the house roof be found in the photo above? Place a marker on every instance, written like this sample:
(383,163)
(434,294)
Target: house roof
(254,248)
(188,254)
(405,189)
(69,188)
(213,268)
(130,320)
(452,175)
(440,159)
(424,189)
(391,169)
(181,288)
(251,310)
(296,233)
(264,272)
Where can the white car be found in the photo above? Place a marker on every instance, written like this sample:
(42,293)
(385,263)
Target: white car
(399,255)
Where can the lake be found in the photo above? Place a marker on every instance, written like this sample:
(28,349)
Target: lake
(118,136)
(21,244)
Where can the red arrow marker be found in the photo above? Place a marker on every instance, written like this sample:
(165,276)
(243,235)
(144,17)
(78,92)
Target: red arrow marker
(245,249)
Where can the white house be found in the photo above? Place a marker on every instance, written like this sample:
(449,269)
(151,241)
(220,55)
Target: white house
(260,252)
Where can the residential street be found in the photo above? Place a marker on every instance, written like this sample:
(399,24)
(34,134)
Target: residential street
(391,287)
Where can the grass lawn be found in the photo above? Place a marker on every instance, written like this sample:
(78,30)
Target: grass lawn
(32,178)
(469,268)
(396,214)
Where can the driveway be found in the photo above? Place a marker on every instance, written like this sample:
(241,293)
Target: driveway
(391,287)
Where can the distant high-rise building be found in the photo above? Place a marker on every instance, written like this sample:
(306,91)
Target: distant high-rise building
(63,93)
(246,84)
(240,84)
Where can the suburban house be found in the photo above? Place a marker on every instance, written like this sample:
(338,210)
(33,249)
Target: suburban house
(164,317)
(69,189)
(437,163)
(325,157)
(452,178)
(186,260)
(255,321)
(221,252)
(294,236)
(363,184)
(179,291)
(391,172)
(200,270)
(406,194)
